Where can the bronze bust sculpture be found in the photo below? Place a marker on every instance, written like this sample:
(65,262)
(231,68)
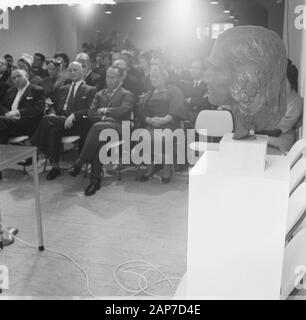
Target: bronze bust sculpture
(247,71)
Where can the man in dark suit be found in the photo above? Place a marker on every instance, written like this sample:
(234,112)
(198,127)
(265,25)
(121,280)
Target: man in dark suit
(22,107)
(195,92)
(131,81)
(91,78)
(110,107)
(71,106)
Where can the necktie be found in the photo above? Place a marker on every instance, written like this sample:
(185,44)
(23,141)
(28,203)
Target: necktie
(70,98)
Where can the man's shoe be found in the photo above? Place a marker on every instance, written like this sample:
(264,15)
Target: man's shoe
(92,188)
(74,170)
(7,240)
(13,230)
(53,173)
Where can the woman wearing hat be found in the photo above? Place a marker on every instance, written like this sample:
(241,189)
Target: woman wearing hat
(25,63)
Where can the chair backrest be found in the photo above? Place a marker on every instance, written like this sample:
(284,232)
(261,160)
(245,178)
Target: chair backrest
(294,263)
(296,207)
(217,123)
(297,174)
(296,152)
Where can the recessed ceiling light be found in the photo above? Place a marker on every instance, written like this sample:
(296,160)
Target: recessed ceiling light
(226,8)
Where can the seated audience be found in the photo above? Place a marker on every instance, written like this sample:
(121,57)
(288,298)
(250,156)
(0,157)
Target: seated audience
(130,82)
(64,61)
(103,62)
(9,61)
(110,107)
(99,45)
(195,92)
(37,65)
(163,107)
(99,66)
(71,107)
(128,56)
(158,58)
(4,82)
(21,108)
(116,55)
(145,64)
(112,42)
(283,136)
(88,48)
(25,62)
(53,81)
(90,78)
(6,76)
(177,71)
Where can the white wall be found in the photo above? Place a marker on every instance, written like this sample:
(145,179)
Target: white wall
(45,29)
(30,30)
(66,35)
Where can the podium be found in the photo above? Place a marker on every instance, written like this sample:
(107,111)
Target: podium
(236,223)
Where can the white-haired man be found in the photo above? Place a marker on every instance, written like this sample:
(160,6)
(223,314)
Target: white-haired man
(22,107)
(91,78)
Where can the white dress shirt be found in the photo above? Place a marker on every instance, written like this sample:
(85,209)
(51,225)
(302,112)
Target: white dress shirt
(19,94)
(76,87)
(196,83)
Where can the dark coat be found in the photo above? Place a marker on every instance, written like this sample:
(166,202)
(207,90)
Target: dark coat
(31,105)
(119,106)
(81,102)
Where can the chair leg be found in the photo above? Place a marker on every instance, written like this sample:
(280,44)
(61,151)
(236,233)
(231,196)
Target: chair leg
(62,152)
(173,170)
(45,165)
(24,170)
(86,170)
(119,173)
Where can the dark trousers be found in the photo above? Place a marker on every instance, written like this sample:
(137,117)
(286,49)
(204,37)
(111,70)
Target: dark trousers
(91,149)
(50,132)
(13,128)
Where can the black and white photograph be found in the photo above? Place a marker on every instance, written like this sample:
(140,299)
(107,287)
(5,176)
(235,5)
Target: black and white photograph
(152,150)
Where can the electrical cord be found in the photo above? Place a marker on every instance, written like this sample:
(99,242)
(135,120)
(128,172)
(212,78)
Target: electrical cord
(134,264)
(57,252)
(122,268)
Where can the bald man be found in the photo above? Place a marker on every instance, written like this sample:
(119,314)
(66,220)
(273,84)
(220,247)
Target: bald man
(69,117)
(22,107)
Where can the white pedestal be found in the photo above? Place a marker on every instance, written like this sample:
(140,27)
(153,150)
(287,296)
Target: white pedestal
(236,231)
(243,155)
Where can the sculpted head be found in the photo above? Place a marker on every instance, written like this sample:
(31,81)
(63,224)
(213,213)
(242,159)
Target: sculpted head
(247,71)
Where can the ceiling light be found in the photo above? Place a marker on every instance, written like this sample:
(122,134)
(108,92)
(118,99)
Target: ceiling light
(226,8)
(108,9)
